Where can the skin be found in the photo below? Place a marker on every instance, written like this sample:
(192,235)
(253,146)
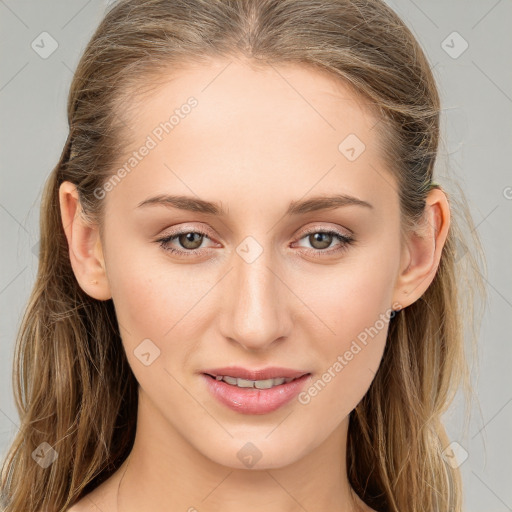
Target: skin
(257,140)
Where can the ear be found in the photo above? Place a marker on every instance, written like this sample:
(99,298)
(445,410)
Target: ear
(422,250)
(85,251)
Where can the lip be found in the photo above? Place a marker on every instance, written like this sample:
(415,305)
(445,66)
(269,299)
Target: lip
(272,372)
(253,400)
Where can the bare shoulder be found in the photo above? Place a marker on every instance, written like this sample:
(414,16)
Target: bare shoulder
(101,499)
(77,507)
(362,506)
(84,505)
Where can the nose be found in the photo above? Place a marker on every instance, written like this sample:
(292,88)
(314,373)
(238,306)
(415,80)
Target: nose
(256,312)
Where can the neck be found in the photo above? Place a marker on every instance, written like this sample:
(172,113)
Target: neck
(166,473)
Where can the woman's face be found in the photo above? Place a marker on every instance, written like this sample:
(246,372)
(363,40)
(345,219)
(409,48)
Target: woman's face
(263,287)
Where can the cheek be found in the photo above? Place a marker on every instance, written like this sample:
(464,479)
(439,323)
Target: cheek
(160,301)
(152,316)
(137,285)
(353,307)
(347,368)
(349,297)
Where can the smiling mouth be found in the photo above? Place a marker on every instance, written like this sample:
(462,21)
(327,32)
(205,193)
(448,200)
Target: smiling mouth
(255,391)
(256,384)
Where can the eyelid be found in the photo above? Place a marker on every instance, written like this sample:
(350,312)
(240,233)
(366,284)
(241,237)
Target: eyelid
(165,240)
(316,229)
(343,238)
(313,229)
(189,229)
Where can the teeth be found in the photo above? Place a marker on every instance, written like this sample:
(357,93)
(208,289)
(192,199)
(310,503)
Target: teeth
(242,383)
(258,384)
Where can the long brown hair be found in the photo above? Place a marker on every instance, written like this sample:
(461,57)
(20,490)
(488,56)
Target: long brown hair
(73,386)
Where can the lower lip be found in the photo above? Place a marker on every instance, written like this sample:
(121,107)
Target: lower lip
(252,400)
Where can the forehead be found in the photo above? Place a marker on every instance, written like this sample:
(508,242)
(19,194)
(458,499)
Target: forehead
(271,129)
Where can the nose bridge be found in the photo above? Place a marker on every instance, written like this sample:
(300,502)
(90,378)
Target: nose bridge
(257,312)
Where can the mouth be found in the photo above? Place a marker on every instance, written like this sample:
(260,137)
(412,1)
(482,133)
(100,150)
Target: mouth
(239,372)
(257,384)
(255,391)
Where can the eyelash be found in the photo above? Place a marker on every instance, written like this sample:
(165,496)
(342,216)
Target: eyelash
(317,253)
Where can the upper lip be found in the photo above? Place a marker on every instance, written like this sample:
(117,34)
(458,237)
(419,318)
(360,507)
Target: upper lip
(272,372)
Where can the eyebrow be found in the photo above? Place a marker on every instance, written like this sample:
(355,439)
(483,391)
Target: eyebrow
(295,208)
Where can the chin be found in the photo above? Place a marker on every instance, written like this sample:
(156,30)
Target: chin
(258,451)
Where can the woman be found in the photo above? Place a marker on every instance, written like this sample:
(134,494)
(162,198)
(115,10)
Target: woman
(247,293)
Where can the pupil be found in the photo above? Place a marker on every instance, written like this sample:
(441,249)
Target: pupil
(318,237)
(189,239)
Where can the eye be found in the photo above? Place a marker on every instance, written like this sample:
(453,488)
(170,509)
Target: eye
(322,239)
(190,241)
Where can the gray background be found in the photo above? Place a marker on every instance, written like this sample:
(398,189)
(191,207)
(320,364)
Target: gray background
(477,125)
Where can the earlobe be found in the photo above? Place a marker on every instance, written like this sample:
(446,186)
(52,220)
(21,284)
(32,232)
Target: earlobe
(84,244)
(423,249)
